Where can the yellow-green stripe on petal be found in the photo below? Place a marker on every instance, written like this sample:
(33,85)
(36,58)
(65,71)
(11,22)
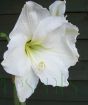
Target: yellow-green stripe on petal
(32,46)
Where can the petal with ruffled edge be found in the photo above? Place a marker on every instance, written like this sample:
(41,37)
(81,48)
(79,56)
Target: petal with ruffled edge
(62,41)
(32,13)
(60,53)
(71,33)
(57,8)
(59,36)
(49,67)
(26,85)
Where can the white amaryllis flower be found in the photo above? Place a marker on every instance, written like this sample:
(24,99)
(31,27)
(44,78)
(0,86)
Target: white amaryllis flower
(42,46)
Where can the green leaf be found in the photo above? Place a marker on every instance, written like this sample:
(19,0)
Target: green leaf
(3,34)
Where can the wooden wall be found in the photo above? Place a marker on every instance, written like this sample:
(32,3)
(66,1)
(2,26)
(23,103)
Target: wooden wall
(77,92)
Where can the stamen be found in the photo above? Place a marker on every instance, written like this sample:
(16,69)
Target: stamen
(41,65)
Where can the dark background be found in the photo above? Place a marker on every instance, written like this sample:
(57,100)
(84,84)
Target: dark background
(77,92)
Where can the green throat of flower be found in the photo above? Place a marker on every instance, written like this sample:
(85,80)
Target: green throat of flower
(32,46)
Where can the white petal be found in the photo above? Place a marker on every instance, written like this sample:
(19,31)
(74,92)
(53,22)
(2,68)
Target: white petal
(17,41)
(50,69)
(31,15)
(48,25)
(62,41)
(26,85)
(16,62)
(57,8)
(71,33)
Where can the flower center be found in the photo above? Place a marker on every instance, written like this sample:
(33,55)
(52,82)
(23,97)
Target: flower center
(32,46)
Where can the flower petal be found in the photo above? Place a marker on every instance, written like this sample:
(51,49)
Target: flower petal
(17,41)
(47,25)
(50,69)
(58,8)
(32,13)
(62,41)
(16,62)
(71,32)
(53,62)
(26,85)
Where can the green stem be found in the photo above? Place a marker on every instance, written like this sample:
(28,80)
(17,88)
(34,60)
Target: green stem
(23,103)
(16,100)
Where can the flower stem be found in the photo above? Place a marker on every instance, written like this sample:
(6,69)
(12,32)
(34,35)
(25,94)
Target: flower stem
(16,100)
